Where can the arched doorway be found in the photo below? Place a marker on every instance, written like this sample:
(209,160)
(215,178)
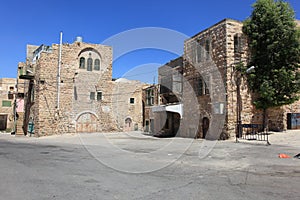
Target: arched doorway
(128,124)
(205,126)
(86,123)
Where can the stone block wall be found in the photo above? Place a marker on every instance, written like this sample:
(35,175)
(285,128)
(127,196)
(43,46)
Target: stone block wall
(226,47)
(127,104)
(77,109)
(205,61)
(7,86)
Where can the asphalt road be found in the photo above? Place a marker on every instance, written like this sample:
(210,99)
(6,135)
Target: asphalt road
(133,166)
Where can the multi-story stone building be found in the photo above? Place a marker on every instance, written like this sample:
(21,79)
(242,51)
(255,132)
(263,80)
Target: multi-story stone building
(150,99)
(7,99)
(209,67)
(168,113)
(68,88)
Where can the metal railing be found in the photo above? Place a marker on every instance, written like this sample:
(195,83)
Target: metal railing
(252,132)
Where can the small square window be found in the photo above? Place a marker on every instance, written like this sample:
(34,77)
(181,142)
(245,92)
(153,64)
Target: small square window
(131,100)
(99,96)
(21,95)
(10,96)
(92,96)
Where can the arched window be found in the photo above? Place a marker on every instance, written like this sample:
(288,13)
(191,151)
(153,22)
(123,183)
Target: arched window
(90,64)
(82,63)
(97,64)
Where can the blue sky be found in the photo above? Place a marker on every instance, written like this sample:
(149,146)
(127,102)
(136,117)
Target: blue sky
(40,22)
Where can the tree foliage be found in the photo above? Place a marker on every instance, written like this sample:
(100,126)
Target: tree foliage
(274,43)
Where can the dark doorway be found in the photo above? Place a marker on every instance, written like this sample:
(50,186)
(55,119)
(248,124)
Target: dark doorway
(147,126)
(3,122)
(205,126)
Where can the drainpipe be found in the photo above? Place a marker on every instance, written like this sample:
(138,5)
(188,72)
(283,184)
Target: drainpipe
(58,72)
(15,104)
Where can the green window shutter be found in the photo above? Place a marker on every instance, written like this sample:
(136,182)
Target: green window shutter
(6,103)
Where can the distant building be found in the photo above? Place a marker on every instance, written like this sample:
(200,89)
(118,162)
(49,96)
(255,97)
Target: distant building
(169,113)
(150,99)
(127,104)
(7,100)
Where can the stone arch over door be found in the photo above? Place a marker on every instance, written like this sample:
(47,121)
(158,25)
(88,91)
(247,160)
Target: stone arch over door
(86,122)
(128,124)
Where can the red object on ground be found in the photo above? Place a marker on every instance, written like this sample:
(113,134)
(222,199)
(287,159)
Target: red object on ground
(282,155)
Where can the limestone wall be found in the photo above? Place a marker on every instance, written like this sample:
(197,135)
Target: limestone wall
(127,101)
(7,95)
(76,103)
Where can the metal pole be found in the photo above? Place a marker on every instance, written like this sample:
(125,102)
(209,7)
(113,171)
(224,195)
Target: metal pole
(58,72)
(238,96)
(15,103)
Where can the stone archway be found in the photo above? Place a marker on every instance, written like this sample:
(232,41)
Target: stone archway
(128,124)
(86,123)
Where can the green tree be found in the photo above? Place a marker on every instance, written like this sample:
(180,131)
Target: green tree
(275,52)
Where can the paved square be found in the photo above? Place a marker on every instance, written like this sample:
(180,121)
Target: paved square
(135,166)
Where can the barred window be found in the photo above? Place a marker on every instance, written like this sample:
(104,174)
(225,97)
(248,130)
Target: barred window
(97,65)
(82,63)
(199,53)
(89,64)
(237,44)
(198,86)
(207,49)
(150,97)
(99,96)
(92,96)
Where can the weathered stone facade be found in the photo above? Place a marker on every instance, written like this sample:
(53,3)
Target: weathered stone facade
(210,63)
(72,91)
(80,100)
(127,104)
(150,99)
(7,100)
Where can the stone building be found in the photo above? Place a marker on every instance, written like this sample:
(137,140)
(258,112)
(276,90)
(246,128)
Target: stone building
(69,88)
(127,104)
(211,59)
(7,99)
(168,113)
(150,99)
(210,76)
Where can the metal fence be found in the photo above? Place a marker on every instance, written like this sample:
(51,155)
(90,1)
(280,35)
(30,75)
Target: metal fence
(252,132)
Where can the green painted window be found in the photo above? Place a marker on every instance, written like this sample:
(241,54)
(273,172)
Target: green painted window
(6,103)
